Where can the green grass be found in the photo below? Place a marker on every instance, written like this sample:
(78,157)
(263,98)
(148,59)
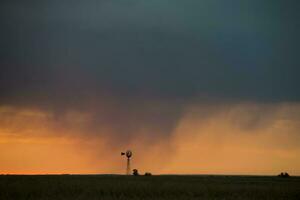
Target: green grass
(90,187)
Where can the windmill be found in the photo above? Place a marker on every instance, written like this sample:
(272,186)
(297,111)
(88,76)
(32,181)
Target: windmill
(128,155)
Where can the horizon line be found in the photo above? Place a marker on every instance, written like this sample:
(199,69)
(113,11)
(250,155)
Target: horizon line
(94,174)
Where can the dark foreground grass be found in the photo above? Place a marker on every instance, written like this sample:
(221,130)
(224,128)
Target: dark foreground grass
(90,187)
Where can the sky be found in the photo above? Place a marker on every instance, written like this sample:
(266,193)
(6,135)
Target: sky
(191,87)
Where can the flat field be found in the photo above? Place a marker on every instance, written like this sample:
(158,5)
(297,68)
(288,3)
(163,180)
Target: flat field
(90,187)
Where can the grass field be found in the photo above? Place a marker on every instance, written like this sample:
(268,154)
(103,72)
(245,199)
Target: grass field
(90,187)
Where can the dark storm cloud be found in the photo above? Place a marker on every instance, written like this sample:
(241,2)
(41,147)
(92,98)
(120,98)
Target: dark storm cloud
(226,50)
(146,59)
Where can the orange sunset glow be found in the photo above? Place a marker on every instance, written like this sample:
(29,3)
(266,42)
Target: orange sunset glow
(243,138)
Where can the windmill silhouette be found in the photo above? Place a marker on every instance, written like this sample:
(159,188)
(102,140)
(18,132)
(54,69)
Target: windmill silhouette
(128,155)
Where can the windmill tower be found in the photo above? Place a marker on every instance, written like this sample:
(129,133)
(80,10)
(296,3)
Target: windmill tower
(128,155)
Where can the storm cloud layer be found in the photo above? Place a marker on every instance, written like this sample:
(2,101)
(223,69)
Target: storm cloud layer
(54,51)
